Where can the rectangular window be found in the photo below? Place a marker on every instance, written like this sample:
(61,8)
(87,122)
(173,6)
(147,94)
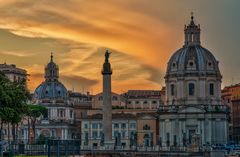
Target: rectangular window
(172,89)
(94,134)
(86,138)
(132,125)
(175,140)
(94,125)
(85,126)
(116,125)
(168,139)
(101,134)
(191,89)
(115,133)
(123,134)
(100,125)
(123,125)
(22,132)
(211,89)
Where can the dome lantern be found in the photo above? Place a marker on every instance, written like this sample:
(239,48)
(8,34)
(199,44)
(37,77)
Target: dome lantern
(192,33)
(51,70)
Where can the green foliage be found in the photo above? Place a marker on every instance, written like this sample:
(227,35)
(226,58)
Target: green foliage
(42,139)
(35,111)
(13,99)
(117,107)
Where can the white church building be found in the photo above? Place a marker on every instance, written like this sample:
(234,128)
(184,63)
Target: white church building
(193,114)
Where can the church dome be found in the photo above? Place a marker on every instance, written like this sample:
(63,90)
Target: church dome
(51,88)
(193,75)
(192,59)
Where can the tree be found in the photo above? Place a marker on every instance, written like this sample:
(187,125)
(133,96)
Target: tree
(5,100)
(34,112)
(13,99)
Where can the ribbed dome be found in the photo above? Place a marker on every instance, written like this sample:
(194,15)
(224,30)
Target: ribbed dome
(51,90)
(193,60)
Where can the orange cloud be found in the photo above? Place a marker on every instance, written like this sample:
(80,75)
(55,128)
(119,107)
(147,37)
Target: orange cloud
(85,28)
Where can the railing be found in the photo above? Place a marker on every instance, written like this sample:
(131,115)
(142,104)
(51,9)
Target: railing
(207,108)
(43,148)
(58,148)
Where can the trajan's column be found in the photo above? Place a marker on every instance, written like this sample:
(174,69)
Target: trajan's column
(107,101)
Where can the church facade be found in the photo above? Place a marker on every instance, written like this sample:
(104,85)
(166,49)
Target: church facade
(193,114)
(60,122)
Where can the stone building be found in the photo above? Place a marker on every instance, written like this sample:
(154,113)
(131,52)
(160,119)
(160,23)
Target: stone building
(231,98)
(133,99)
(82,103)
(59,123)
(123,125)
(147,129)
(193,114)
(144,99)
(13,73)
(128,130)
(236,120)
(117,101)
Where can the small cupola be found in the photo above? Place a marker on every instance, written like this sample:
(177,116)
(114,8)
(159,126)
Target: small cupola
(192,33)
(51,70)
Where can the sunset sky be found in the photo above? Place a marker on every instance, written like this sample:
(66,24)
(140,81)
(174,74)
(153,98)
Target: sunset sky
(141,34)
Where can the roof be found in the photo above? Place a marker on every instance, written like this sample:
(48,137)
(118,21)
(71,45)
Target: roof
(143,93)
(123,115)
(193,60)
(114,116)
(11,68)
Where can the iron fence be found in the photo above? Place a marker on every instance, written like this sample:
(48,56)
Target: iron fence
(47,148)
(66,148)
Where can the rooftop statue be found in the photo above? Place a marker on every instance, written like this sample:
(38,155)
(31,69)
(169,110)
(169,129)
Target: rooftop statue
(107,54)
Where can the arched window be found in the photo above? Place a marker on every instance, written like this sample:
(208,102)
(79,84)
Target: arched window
(211,89)
(191,89)
(172,89)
